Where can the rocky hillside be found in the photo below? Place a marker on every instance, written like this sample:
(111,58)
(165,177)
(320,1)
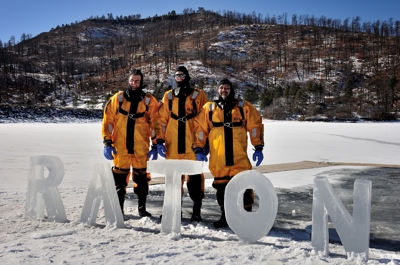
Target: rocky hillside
(311,68)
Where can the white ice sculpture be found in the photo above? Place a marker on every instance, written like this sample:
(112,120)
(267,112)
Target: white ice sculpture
(250,226)
(43,191)
(102,188)
(173,170)
(353,231)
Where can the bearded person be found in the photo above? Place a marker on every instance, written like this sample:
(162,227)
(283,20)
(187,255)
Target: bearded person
(126,130)
(225,123)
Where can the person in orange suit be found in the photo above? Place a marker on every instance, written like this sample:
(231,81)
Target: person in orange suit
(127,130)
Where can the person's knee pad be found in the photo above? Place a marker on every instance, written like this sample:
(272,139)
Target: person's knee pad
(195,187)
(121,182)
(221,195)
(142,187)
(194,180)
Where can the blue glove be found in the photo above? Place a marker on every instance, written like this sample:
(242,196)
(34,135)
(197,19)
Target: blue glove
(153,152)
(258,155)
(109,150)
(161,147)
(200,156)
(206,149)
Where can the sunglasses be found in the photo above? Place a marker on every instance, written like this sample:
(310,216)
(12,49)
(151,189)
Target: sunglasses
(180,75)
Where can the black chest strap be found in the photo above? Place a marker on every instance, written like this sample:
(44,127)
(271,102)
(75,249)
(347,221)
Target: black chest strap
(228,130)
(130,114)
(182,118)
(227,124)
(130,125)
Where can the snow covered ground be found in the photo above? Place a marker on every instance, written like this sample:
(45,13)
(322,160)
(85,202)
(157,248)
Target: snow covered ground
(79,146)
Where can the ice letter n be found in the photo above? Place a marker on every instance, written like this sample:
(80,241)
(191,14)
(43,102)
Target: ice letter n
(43,191)
(353,231)
(173,170)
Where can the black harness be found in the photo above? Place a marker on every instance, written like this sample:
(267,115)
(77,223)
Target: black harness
(227,124)
(132,115)
(182,118)
(182,114)
(228,129)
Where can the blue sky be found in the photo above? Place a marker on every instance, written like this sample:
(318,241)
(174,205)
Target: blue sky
(35,17)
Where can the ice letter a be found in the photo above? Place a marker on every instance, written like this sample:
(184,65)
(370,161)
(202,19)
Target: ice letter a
(43,191)
(353,231)
(102,188)
(250,226)
(173,170)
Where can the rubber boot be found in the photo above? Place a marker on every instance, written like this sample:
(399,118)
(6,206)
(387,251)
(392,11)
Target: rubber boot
(142,207)
(120,185)
(121,204)
(196,217)
(222,221)
(248,208)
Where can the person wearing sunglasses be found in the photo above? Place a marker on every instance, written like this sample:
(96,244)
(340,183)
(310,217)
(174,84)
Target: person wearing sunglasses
(174,131)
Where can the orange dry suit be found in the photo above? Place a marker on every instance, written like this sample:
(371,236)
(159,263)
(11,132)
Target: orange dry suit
(226,125)
(128,122)
(174,125)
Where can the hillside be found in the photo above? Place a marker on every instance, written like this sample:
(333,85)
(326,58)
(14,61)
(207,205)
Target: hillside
(311,68)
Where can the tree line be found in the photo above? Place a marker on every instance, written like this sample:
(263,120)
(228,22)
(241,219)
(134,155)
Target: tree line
(303,65)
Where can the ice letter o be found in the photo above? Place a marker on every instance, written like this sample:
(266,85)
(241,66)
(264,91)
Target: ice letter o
(43,191)
(250,226)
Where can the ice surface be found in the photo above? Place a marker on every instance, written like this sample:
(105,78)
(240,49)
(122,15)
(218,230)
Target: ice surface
(102,188)
(173,170)
(52,233)
(353,231)
(250,226)
(199,244)
(42,192)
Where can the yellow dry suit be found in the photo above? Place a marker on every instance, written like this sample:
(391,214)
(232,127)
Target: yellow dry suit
(227,129)
(128,121)
(174,125)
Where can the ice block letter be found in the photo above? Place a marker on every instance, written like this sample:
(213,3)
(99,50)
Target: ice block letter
(250,226)
(102,188)
(43,191)
(173,170)
(353,231)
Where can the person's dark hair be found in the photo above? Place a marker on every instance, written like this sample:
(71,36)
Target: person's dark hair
(225,81)
(137,72)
